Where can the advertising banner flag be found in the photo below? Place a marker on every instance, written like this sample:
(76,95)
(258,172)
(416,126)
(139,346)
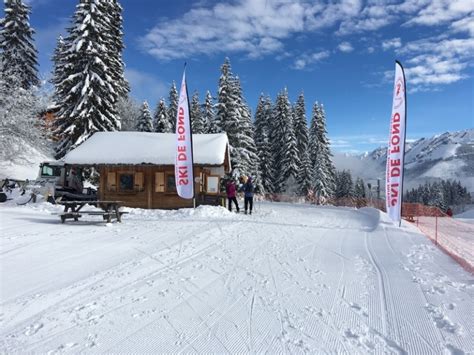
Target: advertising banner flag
(396,147)
(183,167)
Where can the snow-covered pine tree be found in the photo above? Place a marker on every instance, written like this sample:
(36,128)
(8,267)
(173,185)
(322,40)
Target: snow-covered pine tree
(227,115)
(162,122)
(320,155)
(173,106)
(57,76)
(197,119)
(301,133)
(116,47)
(359,189)
(86,97)
(58,71)
(437,197)
(326,148)
(245,148)
(234,118)
(19,128)
(145,123)
(454,194)
(18,53)
(262,141)
(301,124)
(283,141)
(209,114)
(305,175)
(343,184)
(128,111)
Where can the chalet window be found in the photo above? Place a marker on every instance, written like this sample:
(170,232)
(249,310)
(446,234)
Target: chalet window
(160,182)
(139,182)
(170,183)
(212,184)
(126,182)
(111,181)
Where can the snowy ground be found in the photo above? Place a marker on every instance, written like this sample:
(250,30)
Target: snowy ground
(288,279)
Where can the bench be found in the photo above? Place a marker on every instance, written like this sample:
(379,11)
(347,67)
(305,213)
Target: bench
(72,210)
(107,215)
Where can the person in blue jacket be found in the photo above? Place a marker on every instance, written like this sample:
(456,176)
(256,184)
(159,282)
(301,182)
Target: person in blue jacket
(248,190)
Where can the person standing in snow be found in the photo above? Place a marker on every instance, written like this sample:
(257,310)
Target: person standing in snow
(248,189)
(74,181)
(449,212)
(231,194)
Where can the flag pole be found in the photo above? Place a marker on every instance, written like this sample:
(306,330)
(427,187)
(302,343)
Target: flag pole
(404,140)
(191,134)
(184,159)
(396,148)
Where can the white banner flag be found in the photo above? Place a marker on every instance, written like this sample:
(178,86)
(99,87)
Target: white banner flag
(396,147)
(183,167)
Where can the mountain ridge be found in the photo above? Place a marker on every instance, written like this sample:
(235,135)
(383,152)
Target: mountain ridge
(449,155)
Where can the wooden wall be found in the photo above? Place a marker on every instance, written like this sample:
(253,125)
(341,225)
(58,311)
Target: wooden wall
(148,196)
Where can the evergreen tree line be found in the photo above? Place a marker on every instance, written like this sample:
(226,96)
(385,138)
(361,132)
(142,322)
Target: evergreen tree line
(277,147)
(442,194)
(346,188)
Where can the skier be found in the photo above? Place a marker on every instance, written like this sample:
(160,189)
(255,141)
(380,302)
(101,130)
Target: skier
(248,189)
(231,190)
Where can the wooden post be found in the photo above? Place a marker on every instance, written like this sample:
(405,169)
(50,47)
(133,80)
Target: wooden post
(149,177)
(436,230)
(103,182)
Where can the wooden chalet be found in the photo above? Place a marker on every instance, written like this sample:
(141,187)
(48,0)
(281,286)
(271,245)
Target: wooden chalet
(137,168)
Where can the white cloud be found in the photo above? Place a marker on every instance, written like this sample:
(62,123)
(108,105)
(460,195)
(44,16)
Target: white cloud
(442,11)
(145,86)
(304,60)
(391,43)
(358,143)
(464,25)
(433,62)
(257,28)
(254,27)
(345,47)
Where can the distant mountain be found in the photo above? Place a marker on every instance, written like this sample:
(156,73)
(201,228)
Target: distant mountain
(446,156)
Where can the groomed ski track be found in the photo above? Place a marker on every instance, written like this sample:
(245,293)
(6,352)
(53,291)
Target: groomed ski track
(288,279)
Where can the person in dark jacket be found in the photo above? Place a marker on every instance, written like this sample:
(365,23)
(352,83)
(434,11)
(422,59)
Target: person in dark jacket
(449,212)
(231,194)
(248,189)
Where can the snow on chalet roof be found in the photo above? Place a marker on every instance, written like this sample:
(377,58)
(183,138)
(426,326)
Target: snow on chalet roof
(135,148)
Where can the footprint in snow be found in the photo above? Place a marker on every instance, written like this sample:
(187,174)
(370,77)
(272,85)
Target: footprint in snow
(442,321)
(33,329)
(452,350)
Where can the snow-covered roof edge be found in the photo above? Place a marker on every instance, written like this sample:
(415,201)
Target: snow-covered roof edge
(138,148)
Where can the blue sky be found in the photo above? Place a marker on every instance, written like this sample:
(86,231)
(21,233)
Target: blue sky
(340,53)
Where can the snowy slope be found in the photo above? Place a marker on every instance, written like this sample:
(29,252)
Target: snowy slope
(288,279)
(24,165)
(445,156)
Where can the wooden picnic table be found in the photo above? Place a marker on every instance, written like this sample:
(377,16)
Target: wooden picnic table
(110,209)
